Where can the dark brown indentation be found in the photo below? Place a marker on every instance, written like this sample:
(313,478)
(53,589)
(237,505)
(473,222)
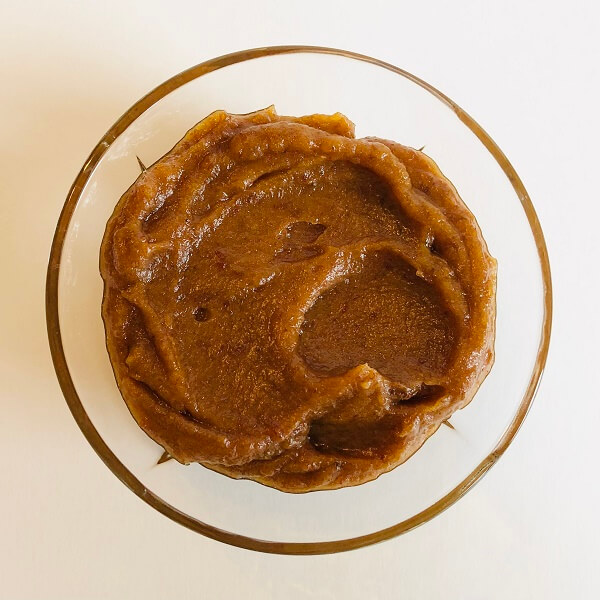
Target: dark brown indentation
(298,242)
(268,175)
(152,392)
(187,414)
(424,394)
(202,314)
(433,245)
(364,439)
(385,316)
(303,232)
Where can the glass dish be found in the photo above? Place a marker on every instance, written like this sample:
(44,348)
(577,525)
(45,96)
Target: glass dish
(382,100)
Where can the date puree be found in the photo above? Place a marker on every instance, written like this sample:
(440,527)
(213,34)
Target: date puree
(289,304)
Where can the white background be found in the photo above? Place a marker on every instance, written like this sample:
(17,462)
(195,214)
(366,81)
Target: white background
(527,71)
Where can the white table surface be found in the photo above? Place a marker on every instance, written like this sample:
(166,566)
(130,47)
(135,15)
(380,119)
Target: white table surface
(527,71)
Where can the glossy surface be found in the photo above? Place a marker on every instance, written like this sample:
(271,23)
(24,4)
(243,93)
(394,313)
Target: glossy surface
(288,304)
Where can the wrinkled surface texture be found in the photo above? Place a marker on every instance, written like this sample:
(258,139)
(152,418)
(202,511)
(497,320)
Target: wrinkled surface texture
(286,303)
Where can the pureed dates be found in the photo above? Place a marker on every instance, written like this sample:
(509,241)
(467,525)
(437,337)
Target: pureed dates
(289,304)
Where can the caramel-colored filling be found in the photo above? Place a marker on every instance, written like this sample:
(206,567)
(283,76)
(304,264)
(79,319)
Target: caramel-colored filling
(286,303)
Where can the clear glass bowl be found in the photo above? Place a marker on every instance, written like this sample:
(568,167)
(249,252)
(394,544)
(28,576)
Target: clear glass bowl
(384,101)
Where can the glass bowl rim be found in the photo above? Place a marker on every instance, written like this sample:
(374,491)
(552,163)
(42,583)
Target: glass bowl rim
(126,476)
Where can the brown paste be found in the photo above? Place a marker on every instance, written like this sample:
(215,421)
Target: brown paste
(289,304)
